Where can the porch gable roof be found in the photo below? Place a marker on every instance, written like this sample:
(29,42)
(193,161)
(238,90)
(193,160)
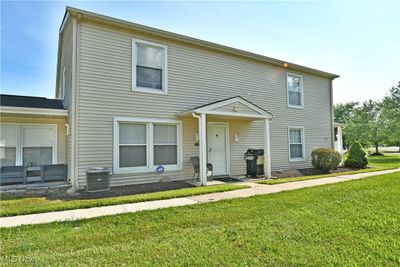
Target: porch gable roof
(236,106)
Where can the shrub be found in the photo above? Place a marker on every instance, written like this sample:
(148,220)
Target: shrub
(326,159)
(356,156)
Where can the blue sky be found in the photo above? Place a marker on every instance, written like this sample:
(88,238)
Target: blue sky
(360,41)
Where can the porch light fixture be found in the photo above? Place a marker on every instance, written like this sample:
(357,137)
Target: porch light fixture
(236,108)
(285,65)
(237,137)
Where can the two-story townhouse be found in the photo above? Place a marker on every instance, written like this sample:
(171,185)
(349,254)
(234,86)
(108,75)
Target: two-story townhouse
(139,97)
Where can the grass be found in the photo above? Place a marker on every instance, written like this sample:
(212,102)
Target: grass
(391,160)
(351,223)
(378,163)
(10,206)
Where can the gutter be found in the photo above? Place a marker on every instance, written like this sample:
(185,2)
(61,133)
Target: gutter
(34,111)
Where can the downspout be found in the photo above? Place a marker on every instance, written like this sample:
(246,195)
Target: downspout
(332,113)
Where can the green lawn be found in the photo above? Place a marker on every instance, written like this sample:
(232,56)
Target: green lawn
(10,205)
(389,160)
(350,223)
(379,163)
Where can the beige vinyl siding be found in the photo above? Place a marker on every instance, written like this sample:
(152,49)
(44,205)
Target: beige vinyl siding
(196,76)
(66,61)
(32,119)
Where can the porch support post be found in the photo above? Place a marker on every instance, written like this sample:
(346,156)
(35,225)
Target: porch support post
(267,149)
(340,139)
(203,149)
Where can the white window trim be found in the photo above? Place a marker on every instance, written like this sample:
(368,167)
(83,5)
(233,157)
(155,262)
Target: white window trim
(19,146)
(150,146)
(164,89)
(303,143)
(301,91)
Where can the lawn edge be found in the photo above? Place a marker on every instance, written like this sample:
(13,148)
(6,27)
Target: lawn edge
(312,177)
(146,197)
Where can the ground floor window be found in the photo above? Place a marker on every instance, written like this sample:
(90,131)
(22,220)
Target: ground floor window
(27,144)
(296,143)
(140,145)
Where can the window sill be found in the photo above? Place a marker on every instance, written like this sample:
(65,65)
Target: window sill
(296,107)
(296,159)
(149,90)
(146,170)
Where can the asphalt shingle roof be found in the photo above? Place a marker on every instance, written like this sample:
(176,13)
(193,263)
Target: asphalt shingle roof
(30,102)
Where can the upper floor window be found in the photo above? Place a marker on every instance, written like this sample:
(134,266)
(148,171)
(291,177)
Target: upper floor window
(295,91)
(149,67)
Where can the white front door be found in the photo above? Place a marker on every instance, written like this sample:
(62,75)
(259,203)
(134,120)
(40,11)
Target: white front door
(217,144)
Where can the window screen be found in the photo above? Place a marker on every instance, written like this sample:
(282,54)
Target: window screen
(296,143)
(8,145)
(295,90)
(149,66)
(37,146)
(132,145)
(165,144)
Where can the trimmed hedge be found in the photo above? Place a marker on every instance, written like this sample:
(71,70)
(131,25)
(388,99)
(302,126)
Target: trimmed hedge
(356,156)
(326,159)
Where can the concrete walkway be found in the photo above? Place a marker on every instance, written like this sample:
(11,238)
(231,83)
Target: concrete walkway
(255,189)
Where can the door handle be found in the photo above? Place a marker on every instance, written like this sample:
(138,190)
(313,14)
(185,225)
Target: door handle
(209,149)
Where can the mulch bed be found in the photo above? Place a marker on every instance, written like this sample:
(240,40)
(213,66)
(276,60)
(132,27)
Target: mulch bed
(124,190)
(307,172)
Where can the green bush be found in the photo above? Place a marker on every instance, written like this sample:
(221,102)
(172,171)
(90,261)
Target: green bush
(356,156)
(326,159)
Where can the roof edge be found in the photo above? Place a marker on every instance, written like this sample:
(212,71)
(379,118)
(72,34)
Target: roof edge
(194,41)
(34,111)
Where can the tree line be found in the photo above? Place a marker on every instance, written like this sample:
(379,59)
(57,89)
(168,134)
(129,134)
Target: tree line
(372,123)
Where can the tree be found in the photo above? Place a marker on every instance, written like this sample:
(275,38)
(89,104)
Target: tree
(366,126)
(357,157)
(391,117)
(344,113)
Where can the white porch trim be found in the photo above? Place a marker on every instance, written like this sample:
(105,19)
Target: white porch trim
(211,109)
(34,111)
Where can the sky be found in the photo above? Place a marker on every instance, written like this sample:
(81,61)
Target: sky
(359,40)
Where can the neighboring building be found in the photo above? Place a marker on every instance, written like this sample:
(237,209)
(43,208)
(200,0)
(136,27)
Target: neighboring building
(338,135)
(139,97)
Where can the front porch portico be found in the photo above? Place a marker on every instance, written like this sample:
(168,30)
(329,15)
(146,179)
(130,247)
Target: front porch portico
(235,108)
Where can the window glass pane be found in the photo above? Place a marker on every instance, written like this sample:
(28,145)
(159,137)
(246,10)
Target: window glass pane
(8,136)
(295,136)
(165,134)
(132,133)
(37,137)
(7,156)
(165,155)
(132,156)
(37,156)
(149,56)
(295,90)
(296,151)
(294,83)
(148,77)
(295,98)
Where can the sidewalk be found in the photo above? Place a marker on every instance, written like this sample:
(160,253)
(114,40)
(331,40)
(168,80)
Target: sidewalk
(255,189)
